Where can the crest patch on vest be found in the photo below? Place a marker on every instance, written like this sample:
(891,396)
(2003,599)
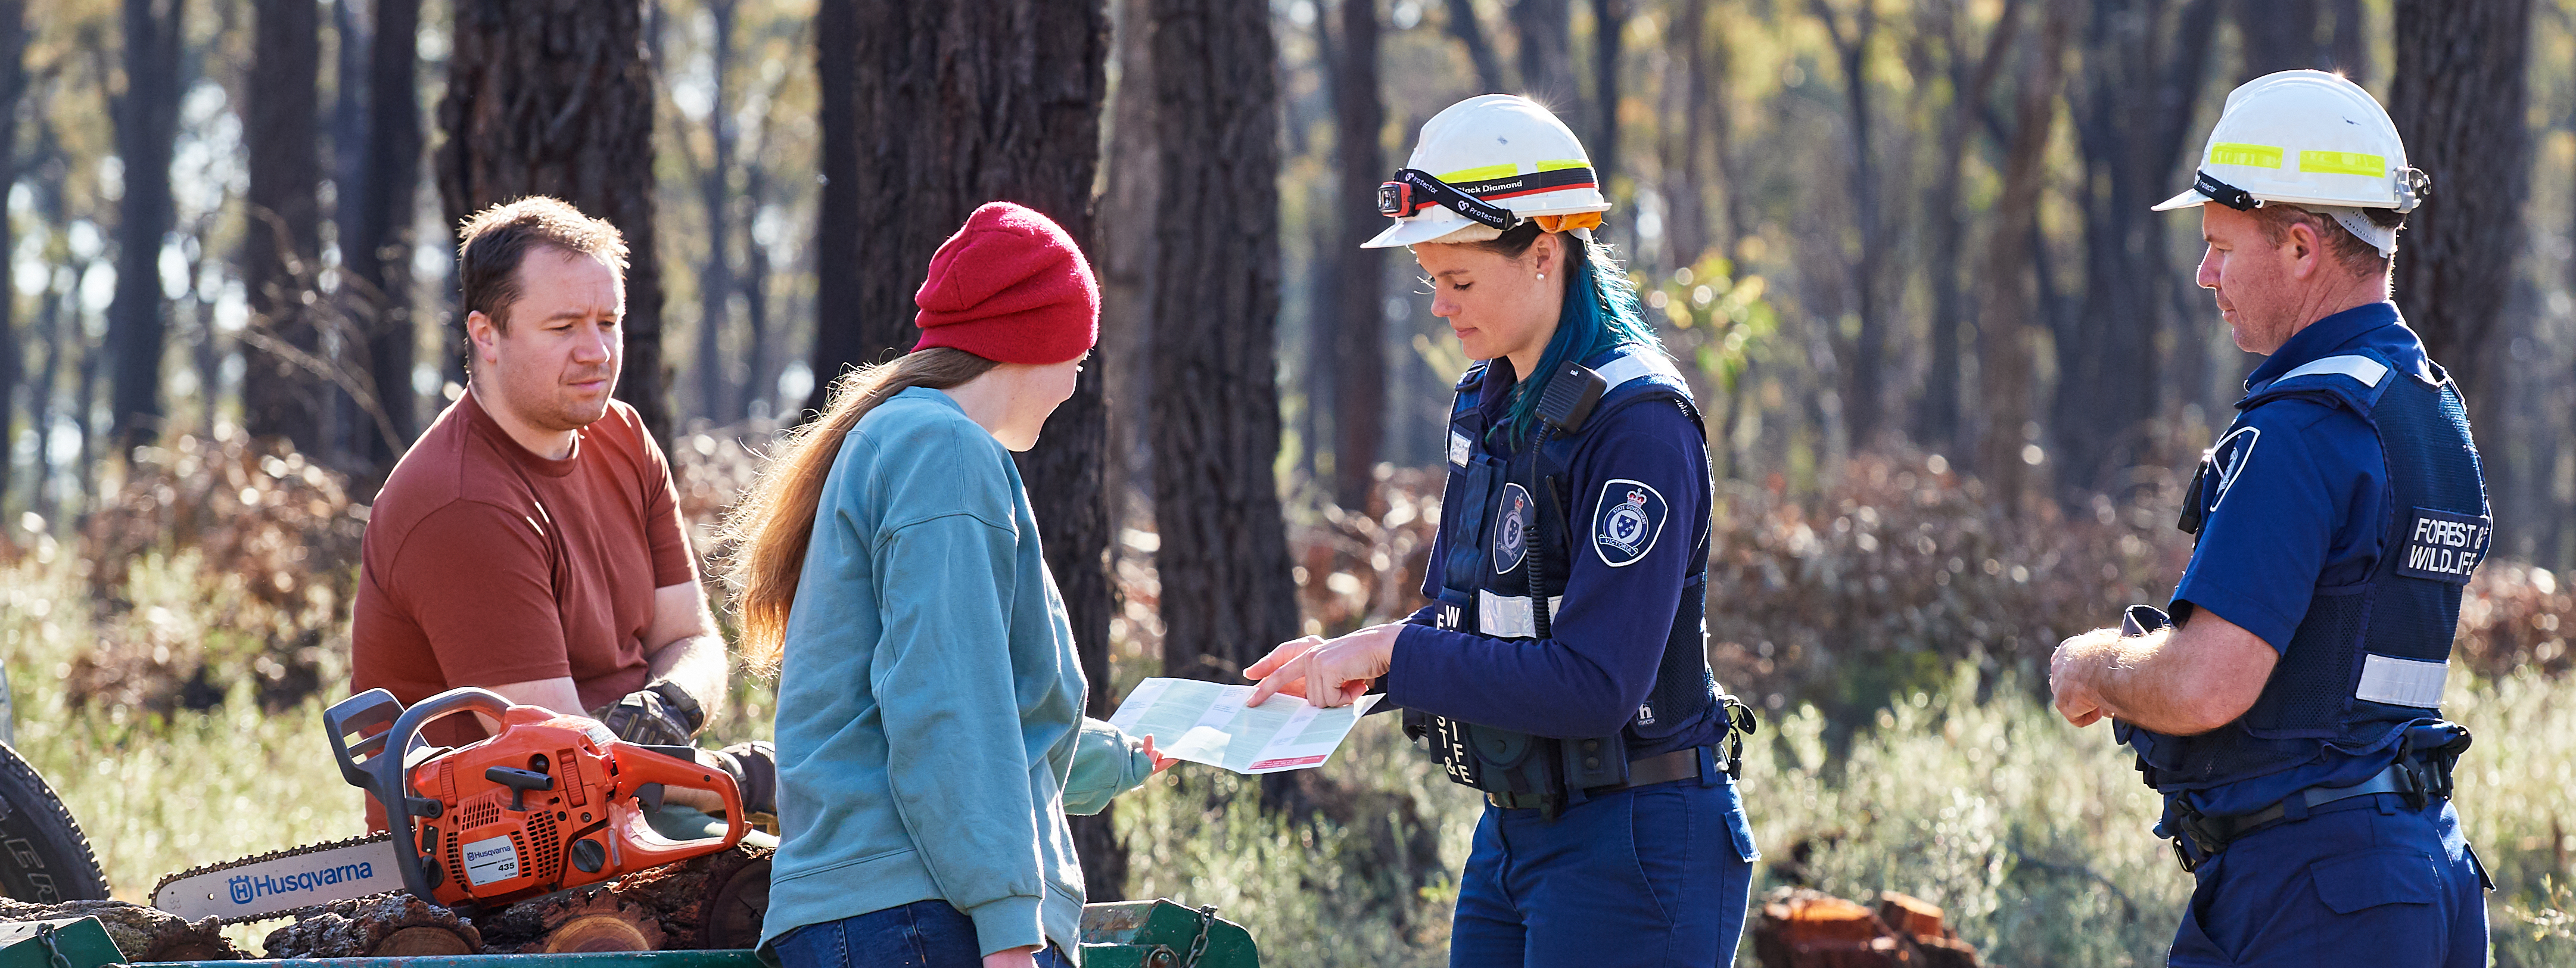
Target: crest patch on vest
(2445,546)
(1511,528)
(2228,459)
(1629,519)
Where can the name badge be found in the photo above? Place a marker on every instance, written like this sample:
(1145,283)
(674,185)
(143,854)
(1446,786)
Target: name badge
(2444,546)
(1459,447)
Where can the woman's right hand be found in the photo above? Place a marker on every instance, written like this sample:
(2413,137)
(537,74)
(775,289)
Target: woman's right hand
(1013,958)
(1287,652)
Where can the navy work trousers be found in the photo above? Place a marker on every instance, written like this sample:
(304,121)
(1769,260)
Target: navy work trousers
(1653,876)
(2366,881)
(922,934)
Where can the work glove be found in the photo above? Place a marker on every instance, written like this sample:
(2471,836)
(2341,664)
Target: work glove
(754,768)
(660,714)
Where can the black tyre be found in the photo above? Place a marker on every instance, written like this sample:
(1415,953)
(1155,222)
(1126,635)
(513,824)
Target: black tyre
(44,858)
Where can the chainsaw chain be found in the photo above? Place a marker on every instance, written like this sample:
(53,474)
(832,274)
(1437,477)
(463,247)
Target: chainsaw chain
(297,913)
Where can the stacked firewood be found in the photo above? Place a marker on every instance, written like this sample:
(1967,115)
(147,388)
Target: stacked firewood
(715,901)
(1802,928)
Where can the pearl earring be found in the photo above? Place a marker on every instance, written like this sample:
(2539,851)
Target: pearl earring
(1542,277)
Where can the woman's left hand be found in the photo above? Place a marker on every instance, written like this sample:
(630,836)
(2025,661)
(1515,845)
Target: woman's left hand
(1161,762)
(1337,672)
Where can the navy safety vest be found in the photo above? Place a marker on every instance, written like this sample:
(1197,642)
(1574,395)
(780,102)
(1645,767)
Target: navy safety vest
(2371,657)
(1519,506)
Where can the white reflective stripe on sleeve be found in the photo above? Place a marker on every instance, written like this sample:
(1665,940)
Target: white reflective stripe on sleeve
(1508,616)
(2362,368)
(2402,682)
(1636,365)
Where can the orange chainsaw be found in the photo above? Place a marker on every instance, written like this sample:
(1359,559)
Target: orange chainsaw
(548,803)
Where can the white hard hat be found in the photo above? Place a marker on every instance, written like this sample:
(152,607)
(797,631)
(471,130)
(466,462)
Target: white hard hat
(2311,139)
(1481,166)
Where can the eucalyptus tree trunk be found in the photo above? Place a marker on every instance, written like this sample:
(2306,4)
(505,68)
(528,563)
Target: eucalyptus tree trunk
(13,353)
(1358,316)
(1470,31)
(1213,419)
(2458,96)
(376,238)
(285,393)
(147,129)
(2007,370)
(553,97)
(1546,29)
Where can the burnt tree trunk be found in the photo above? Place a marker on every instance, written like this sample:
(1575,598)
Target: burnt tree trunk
(716,283)
(147,129)
(841,326)
(553,97)
(1359,326)
(2107,364)
(2280,35)
(1973,70)
(1546,29)
(284,396)
(1609,23)
(1124,258)
(1213,419)
(2458,96)
(1864,382)
(13,353)
(1470,31)
(376,243)
(2007,370)
(1685,178)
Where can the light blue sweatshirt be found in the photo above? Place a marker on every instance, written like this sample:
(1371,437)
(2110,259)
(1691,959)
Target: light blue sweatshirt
(930,728)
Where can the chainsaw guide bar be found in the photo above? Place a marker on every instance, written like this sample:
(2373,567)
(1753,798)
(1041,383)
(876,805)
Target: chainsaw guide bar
(292,882)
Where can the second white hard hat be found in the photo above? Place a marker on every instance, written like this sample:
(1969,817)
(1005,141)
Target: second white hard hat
(2312,139)
(1481,166)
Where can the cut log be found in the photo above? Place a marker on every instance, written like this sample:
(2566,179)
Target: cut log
(141,933)
(715,901)
(1910,914)
(393,925)
(592,921)
(1801,928)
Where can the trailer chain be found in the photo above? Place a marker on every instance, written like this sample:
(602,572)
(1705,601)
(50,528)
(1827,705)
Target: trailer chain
(1198,945)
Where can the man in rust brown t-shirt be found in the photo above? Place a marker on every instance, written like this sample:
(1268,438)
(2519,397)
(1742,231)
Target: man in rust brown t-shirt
(530,542)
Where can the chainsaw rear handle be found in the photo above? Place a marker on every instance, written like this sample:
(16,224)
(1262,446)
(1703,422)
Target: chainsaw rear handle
(637,765)
(372,711)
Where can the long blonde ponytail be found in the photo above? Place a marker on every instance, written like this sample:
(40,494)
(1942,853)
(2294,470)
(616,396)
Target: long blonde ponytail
(770,528)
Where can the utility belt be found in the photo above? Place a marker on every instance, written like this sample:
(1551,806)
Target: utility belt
(2422,775)
(1518,771)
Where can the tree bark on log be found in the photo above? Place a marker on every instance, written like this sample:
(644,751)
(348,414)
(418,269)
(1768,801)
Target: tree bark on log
(553,97)
(141,933)
(396,925)
(1227,595)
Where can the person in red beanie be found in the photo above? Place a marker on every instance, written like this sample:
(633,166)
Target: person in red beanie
(930,729)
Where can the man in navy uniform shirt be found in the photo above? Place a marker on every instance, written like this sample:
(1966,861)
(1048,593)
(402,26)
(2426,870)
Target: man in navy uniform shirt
(2288,710)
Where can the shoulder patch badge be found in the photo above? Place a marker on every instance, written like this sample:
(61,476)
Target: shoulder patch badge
(1511,529)
(1627,522)
(2228,458)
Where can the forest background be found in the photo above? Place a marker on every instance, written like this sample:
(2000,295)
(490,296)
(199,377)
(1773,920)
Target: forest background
(1954,373)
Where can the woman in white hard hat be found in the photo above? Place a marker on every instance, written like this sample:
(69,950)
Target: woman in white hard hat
(1560,668)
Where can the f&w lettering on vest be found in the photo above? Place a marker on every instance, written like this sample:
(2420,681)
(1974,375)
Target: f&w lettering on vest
(2445,545)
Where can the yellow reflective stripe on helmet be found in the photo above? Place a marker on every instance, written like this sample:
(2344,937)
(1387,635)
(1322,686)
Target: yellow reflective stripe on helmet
(2342,163)
(1482,173)
(1560,165)
(2250,156)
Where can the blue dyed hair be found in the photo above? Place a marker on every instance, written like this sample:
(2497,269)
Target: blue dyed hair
(1600,313)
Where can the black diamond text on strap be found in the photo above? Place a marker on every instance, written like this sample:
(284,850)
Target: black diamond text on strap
(1488,213)
(2224,193)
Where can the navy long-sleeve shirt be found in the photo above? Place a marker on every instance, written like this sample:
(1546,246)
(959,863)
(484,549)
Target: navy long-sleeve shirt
(1589,677)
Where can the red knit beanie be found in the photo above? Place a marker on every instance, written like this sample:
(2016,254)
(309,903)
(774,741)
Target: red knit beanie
(1010,286)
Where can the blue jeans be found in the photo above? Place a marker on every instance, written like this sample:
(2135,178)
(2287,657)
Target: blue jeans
(2365,881)
(1656,875)
(922,934)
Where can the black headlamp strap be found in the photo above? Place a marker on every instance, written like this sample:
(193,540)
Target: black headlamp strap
(2224,193)
(1434,191)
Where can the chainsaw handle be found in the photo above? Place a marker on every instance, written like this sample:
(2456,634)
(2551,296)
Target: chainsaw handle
(637,765)
(372,711)
(393,782)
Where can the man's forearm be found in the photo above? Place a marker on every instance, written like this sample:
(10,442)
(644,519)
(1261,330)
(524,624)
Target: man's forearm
(2179,681)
